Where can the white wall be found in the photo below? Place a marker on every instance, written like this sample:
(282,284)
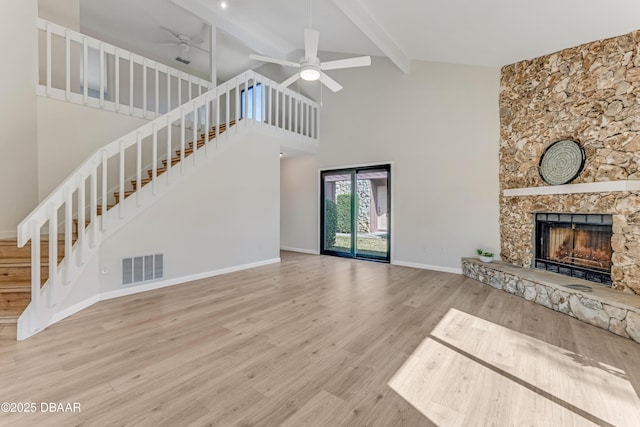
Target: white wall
(62,12)
(225,215)
(439,126)
(18,153)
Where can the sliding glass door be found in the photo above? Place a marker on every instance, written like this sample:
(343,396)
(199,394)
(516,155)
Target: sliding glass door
(355,216)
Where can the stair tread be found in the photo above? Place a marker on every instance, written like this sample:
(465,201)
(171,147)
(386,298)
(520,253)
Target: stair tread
(10,314)
(16,286)
(14,242)
(19,262)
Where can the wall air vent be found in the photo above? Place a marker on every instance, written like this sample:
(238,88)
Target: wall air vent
(142,269)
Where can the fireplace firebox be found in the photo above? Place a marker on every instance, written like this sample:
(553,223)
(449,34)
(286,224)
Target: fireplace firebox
(577,245)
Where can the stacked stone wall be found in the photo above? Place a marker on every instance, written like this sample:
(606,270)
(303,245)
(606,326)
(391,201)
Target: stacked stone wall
(589,94)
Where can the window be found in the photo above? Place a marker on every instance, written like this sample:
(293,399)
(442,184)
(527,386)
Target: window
(246,103)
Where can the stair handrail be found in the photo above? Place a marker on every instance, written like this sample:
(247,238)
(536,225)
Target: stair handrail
(73,90)
(281,109)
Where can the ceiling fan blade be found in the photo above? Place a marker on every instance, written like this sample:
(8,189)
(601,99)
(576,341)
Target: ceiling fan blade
(361,61)
(169,43)
(285,84)
(199,48)
(196,40)
(274,60)
(199,38)
(311,40)
(330,83)
(175,35)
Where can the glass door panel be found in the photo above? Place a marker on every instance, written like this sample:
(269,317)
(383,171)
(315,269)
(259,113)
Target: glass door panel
(373,213)
(337,209)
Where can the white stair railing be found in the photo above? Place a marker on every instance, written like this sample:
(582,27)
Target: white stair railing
(247,100)
(81,69)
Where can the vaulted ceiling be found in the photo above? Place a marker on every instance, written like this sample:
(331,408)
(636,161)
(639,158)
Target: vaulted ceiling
(487,33)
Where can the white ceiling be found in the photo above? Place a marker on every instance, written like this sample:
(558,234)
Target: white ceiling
(488,32)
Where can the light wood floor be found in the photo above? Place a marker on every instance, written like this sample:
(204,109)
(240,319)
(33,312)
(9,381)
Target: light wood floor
(311,341)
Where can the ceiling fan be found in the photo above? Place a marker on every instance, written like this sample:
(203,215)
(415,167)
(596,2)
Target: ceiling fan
(185,43)
(311,68)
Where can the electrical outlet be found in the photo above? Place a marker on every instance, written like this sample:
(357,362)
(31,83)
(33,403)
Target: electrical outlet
(104,270)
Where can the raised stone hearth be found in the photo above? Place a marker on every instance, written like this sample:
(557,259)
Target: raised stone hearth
(615,311)
(589,94)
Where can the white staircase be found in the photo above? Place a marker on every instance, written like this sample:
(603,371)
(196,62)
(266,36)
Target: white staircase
(83,210)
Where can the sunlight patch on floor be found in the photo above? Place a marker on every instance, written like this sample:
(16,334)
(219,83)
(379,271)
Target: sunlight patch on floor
(474,372)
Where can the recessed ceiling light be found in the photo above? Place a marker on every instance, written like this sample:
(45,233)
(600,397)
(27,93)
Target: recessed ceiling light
(223,5)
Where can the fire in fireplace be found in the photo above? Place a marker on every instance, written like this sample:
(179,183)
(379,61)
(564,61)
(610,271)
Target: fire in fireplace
(577,245)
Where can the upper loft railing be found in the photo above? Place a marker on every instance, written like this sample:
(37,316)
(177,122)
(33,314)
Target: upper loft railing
(81,69)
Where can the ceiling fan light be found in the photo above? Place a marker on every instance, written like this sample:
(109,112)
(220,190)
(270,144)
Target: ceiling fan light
(310,74)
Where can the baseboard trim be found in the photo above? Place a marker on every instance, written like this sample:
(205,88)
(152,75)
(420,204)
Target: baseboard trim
(8,234)
(427,267)
(184,279)
(73,309)
(300,250)
(63,314)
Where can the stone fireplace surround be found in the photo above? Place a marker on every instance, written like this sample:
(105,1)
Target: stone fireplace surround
(600,306)
(589,94)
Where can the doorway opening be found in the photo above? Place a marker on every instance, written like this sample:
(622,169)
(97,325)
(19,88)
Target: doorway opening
(356,212)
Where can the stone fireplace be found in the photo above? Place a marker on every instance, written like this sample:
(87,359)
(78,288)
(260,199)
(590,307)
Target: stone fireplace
(589,94)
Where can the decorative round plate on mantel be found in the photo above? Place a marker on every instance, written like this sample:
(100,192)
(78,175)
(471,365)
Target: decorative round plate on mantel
(561,162)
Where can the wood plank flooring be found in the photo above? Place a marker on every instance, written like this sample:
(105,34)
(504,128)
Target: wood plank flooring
(471,372)
(311,341)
